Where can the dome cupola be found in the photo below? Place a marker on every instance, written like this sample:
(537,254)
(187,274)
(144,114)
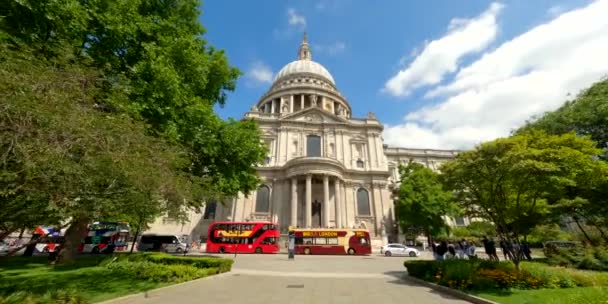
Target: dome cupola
(300,85)
(304,65)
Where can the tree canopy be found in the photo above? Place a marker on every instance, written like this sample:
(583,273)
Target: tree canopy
(510,181)
(108,107)
(586,115)
(422,202)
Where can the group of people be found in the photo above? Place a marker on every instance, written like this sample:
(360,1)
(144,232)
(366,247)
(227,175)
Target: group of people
(466,250)
(454,250)
(512,250)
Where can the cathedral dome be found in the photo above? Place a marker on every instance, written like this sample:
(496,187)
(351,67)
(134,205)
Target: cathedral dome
(304,65)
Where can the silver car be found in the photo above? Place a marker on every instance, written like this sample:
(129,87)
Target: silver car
(399,250)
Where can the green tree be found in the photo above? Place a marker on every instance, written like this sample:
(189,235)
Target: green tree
(422,202)
(477,229)
(152,63)
(586,115)
(508,181)
(65,161)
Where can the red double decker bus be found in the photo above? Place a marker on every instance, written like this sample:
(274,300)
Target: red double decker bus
(243,237)
(332,241)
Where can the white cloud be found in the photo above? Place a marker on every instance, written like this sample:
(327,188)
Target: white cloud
(440,57)
(526,76)
(259,73)
(331,49)
(295,19)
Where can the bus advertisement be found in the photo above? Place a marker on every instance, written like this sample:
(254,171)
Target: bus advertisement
(243,237)
(51,239)
(106,237)
(332,241)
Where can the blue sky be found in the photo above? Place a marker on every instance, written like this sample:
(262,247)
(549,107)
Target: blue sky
(439,74)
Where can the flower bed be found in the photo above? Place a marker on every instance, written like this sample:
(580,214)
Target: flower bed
(485,275)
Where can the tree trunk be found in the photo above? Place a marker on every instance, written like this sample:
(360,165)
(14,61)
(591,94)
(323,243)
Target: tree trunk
(602,234)
(73,237)
(578,224)
(135,237)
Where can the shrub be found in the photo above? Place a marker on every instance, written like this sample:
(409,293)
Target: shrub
(223,265)
(158,272)
(591,258)
(484,275)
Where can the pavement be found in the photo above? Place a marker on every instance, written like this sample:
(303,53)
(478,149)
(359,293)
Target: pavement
(306,279)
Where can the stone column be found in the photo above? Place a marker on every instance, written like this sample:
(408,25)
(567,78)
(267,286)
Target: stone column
(291,103)
(308,206)
(294,202)
(272,106)
(325,201)
(302,102)
(337,203)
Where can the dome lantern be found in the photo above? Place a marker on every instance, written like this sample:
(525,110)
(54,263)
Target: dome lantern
(304,50)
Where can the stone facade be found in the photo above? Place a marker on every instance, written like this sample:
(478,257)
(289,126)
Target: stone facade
(325,168)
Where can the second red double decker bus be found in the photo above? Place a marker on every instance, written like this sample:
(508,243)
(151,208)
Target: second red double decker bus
(243,237)
(332,241)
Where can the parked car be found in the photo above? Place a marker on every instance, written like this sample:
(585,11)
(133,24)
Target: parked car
(164,243)
(399,250)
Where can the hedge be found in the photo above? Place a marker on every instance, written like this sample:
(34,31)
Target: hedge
(485,275)
(222,265)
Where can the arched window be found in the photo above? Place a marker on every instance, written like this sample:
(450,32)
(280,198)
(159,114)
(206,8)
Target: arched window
(262,199)
(313,146)
(210,210)
(363,202)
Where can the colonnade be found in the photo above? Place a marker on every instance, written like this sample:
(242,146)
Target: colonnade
(338,202)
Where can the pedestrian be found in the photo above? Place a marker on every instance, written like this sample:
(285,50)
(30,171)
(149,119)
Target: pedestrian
(471,250)
(451,251)
(442,249)
(490,249)
(460,247)
(525,248)
(504,246)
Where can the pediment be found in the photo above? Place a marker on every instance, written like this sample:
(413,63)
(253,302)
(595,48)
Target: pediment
(314,115)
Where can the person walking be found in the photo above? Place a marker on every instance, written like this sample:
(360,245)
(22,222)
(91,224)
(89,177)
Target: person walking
(442,249)
(471,250)
(490,249)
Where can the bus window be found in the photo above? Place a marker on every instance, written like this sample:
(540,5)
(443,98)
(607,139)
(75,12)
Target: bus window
(308,241)
(363,241)
(320,241)
(332,241)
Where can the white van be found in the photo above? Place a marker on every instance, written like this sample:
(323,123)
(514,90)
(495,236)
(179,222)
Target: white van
(161,242)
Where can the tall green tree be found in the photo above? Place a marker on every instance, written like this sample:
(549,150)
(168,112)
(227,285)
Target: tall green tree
(65,161)
(157,67)
(423,203)
(586,115)
(153,69)
(508,181)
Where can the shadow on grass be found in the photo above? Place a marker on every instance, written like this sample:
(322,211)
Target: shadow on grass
(92,282)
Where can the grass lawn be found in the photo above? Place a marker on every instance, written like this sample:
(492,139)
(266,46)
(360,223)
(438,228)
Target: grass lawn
(33,276)
(577,295)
